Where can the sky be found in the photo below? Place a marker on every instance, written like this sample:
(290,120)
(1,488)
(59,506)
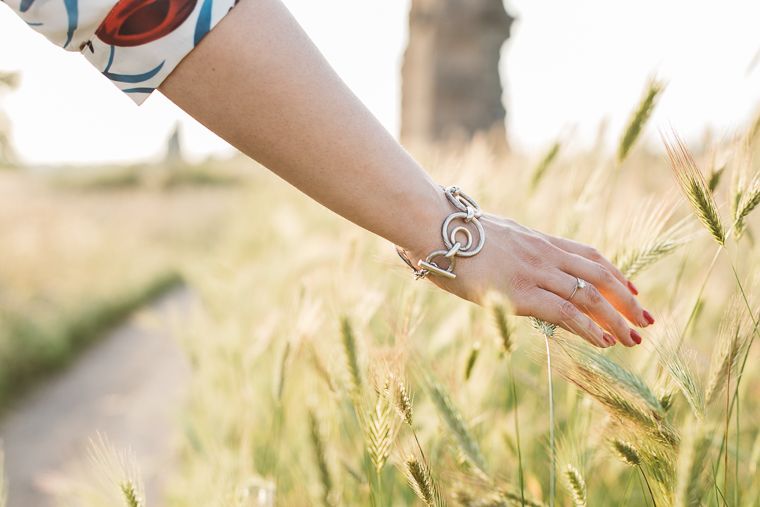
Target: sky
(567,67)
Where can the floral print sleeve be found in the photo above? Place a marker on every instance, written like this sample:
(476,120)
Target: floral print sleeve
(134,43)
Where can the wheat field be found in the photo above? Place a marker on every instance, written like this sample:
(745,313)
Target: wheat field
(324,375)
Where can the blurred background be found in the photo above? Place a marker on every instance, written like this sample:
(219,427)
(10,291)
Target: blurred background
(564,68)
(125,230)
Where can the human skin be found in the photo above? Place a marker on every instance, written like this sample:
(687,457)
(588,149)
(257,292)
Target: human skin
(259,82)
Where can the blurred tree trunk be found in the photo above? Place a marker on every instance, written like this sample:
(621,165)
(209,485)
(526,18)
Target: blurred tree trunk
(450,77)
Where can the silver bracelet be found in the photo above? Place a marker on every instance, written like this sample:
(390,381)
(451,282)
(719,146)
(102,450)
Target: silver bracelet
(469,212)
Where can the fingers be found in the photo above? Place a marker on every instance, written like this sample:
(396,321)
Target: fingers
(547,306)
(590,301)
(588,264)
(609,286)
(590,253)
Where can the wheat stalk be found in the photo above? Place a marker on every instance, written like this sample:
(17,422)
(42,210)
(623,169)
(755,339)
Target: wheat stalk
(692,462)
(379,426)
(678,364)
(499,313)
(417,473)
(693,186)
(471,358)
(495,497)
(545,328)
(283,370)
(576,484)
(645,242)
(734,335)
(627,452)
(455,425)
(398,394)
(546,161)
(119,471)
(320,458)
(634,408)
(639,119)
(351,352)
(666,398)
(715,176)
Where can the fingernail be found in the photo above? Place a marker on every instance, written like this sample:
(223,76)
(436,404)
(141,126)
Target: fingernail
(648,317)
(635,336)
(633,289)
(610,339)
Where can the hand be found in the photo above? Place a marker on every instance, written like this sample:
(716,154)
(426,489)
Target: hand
(539,273)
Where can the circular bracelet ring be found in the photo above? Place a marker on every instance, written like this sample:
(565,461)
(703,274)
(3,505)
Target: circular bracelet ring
(469,212)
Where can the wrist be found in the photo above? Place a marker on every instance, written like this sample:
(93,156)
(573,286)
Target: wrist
(452,232)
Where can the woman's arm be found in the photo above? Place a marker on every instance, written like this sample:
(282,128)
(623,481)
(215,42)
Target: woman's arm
(258,82)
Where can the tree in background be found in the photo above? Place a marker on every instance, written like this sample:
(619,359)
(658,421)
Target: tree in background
(8,81)
(450,77)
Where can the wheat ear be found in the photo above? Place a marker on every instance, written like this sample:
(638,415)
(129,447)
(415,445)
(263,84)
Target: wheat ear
(693,186)
(499,313)
(646,242)
(320,457)
(119,471)
(576,484)
(380,427)
(546,161)
(351,351)
(456,425)
(398,394)
(627,452)
(417,473)
(639,119)
(679,365)
(692,462)
(471,359)
(733,336)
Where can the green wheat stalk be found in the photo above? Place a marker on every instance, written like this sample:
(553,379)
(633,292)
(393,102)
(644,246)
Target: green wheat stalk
(546,161)
(454,422)
(350,349)
(498,306)
(321,460)
(471,359)
(693,186)
(639,119)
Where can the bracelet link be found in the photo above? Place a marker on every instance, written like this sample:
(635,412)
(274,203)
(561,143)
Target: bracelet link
(469,212)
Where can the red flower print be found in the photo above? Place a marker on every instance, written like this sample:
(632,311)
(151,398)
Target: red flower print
(137,22)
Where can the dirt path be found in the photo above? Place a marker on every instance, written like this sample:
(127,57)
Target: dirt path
(129,386)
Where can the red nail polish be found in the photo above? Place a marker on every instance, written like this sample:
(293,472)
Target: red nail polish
(635,336)
(610,339)
(633,289)
(648,317)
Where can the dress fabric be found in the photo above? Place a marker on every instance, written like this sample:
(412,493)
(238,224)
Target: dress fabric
(134,43)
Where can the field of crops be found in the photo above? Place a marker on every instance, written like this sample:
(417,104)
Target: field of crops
(324,375)
(82,249)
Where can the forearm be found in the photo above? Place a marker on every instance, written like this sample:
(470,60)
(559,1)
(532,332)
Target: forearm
(258,82)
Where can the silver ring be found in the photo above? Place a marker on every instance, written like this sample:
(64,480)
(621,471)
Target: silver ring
(578,285)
